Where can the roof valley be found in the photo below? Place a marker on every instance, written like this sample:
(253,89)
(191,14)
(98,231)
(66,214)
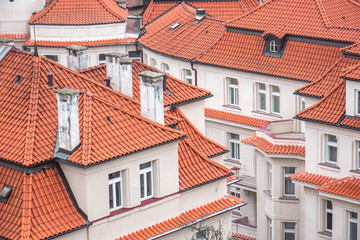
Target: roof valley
(87,129)
(27,206)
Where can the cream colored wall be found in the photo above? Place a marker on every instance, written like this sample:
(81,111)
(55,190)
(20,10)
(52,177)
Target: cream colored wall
(75,235)
(351,88)
(195,113)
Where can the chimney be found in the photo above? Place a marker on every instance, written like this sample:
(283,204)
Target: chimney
(119,68)
(200,14)
(50,77)
(76,57)
(68,119)
(151,96)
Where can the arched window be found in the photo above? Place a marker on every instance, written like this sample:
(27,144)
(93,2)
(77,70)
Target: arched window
(273,46)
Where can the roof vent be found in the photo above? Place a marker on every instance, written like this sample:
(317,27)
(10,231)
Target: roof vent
(174,26)
(50,77)
(18,79)
(200,14)
(5,193)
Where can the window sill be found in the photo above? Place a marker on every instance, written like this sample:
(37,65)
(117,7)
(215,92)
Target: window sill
(326,233)
(274,115)
(233,161)
(268,193)
(331,166)
(289,198)
(232,107)
(356,171)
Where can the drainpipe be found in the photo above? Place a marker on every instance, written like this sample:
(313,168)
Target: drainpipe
(192,68)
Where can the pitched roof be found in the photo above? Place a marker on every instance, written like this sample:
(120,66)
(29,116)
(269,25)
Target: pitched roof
(236,118)
(186,219)
(268,147)
(330,19)
(188,40)
(242,236)
(352,49)
(114,41)
(352,73)
(79,12)
(204,145)
(300,60)
(40,205)
(226,10)
(177,91)
(313,178)
(346,187)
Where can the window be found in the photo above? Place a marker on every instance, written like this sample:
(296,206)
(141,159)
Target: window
(274,47)
(135,55)
(55,58)
(358,154)
(289,186)
(331,145)
(153,63)
(165,68)
(115,190)
(328,215)
(357,112)
(270,176)
(233,88)
(146,185)
(102,58)
(234,146)
(270,229)
(352,225)
(275,99)
(261,88)
(236,193)
(187,76)
(289,231)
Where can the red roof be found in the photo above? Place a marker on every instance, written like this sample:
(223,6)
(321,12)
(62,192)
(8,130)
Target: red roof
(79,12)
(241,236)
(39,205)
(226,10)
(46,43)
(14,35)
(186,219)
(300,60)
(313,178)
(353,72)
(352,49)
(188,40)
(268,147)
(236,118)
(346,187)
(203,144)
(330,19)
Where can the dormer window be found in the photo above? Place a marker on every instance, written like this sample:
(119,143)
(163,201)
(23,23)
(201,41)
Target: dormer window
(274,47)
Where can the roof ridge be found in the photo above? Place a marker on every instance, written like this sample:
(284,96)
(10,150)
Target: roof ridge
(104,4)
(42,12)
(324,14)
(87,130)
(27,210)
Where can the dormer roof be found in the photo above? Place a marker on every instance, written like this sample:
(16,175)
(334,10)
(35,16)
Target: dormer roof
(80,12)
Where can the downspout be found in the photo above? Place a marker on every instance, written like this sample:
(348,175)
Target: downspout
(192,68)
(141,52)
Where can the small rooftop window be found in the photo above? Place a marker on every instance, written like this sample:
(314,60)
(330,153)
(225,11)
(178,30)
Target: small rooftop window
(175,26)
(5,193)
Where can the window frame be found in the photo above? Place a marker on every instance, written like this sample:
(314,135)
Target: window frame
(259,93)
(329,145)
(164,68)
(286,176)
(273,47)
(144,171)
(274,95)
(186,77)
(269,167)
(153,63)
(289,230)
(352,220)
(112,182)
(357,102)
(235,89)
(103,60)
(236,143)
(270,229)
(52,57)
(328,212)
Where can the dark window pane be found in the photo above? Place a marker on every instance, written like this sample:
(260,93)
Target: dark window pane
(111,197)
(142,190)
(289,186)
(329,221)
(114,175)
(145,165)
(332,154)
(149,184)
(353,231)
(289,236)
(329,205)
(118,194)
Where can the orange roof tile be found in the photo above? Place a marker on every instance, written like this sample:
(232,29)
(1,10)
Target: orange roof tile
(352,49)
(268,147)
(188,40)
(39,206)
(353,122)
(203,144)
(313,178)
(226,10)
(236,118)
(79,12)
(353,72)
(46,43)
(14,35)
(241,236)
(330,19)
(346,187)
(186,219)
(300,60)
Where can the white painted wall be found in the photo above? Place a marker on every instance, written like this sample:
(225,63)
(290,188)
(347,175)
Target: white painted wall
(195,113)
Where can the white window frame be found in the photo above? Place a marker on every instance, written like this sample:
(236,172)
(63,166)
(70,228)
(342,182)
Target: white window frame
(144,172)
(101,61)
(274,95)
(153,63)
(165,68)
(112,184)
(233,88)
(234,191)
(289,230)
(357,102)
(259,93)
(353,220)
(273,47)
(186,76)
(330,212)
(286,176)
(331,144)
(234,146)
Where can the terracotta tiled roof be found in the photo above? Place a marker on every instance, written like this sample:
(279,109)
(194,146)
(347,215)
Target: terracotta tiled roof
(328,79)
(14,35)
(236,118)
(353,122)
(39,206)
(346,187)
(352,49)
(330,19)
(240,236)
(204,145)
(232,178)
(186,219)
(352,73)
(226,10)
(115,41)
(188,40)
(313,178)
(79,12)
(300,60)
(268,147)
(177,91)
(195,168)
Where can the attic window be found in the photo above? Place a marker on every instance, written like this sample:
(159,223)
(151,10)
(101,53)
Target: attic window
(174,26)
(274,47)
(5,193)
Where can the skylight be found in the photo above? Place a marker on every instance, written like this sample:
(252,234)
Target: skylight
(5,193)
(174,26)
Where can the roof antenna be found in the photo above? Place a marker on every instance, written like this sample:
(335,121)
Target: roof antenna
(35,46)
